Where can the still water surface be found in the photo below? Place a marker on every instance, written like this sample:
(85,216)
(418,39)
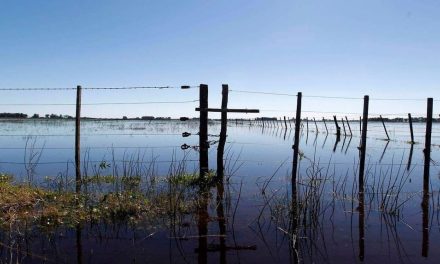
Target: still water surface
(257,195)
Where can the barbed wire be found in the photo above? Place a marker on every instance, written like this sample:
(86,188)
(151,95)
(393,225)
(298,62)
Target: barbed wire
(85,148)
(370,115)
(93,134)
(98,88)
(100,161)
(328,97)
(265,93)
(101,103)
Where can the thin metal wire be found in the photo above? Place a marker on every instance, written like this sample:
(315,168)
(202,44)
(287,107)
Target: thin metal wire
(265,93)
(95,134)
(89,88)
(85,148)
(330,97)
(100,161)
(104,103)
(333,97)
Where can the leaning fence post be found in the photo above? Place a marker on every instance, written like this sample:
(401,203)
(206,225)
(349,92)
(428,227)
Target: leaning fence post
(384,127)
(411,128)
(348,124)
(78,139)
(343,125)
(223,130)
(325,124)
(203,136)
(296,142)
(285,122)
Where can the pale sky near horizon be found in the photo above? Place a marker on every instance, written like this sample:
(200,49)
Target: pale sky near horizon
(386,49)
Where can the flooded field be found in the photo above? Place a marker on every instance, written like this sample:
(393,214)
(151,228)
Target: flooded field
(143,202)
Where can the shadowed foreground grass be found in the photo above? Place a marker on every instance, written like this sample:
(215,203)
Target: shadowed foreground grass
(27,205)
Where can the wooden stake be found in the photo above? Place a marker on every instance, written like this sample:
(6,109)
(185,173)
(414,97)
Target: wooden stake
(363,147)
(427,150)
(343,125)
(316,126)
(78,139)
(325,124)
(203,135)
(223,131)
(348,124)
(384,127)
(411,128)
(307,122)
(296,142)
(338,129)
(425,201)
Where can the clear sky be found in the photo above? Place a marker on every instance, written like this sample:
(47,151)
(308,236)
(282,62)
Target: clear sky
(386,48)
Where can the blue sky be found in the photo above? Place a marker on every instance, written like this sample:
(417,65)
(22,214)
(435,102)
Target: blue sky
(336,48)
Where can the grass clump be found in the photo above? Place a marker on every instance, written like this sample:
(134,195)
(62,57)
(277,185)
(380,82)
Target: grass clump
(5,177)
(193,179)
(33,206)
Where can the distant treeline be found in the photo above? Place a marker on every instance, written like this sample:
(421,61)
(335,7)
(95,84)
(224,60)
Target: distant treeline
(13,115)
(56,116)
(21,115)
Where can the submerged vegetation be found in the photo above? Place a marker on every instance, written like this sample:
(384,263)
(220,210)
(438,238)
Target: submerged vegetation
(27,205)
(23,205)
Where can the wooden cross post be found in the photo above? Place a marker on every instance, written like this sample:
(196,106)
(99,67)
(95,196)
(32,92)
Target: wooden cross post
(203,135)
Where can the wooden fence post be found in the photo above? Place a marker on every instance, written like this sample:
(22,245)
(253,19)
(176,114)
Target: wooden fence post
(411,128)
(285,122)
(307,122)
(316,125)
(384,127)
(325,124)
(425,201)
(78,139)
(338,129)
(343,125)
(411,150)
(427,150)
(363,147)
(203,135)
(223,131)
(296,142)
(349,127)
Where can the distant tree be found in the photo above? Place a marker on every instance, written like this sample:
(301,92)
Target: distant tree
(124,118)
(36,116)
(13,115)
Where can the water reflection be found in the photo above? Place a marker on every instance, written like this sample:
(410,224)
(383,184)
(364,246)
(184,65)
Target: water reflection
(313,223)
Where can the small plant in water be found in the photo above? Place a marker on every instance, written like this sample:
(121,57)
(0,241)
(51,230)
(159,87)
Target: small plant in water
(5,177)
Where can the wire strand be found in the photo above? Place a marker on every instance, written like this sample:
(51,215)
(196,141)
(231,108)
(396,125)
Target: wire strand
(102,103)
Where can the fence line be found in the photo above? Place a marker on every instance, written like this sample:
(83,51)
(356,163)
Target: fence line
(97,88)
(268,123)
(102,103)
